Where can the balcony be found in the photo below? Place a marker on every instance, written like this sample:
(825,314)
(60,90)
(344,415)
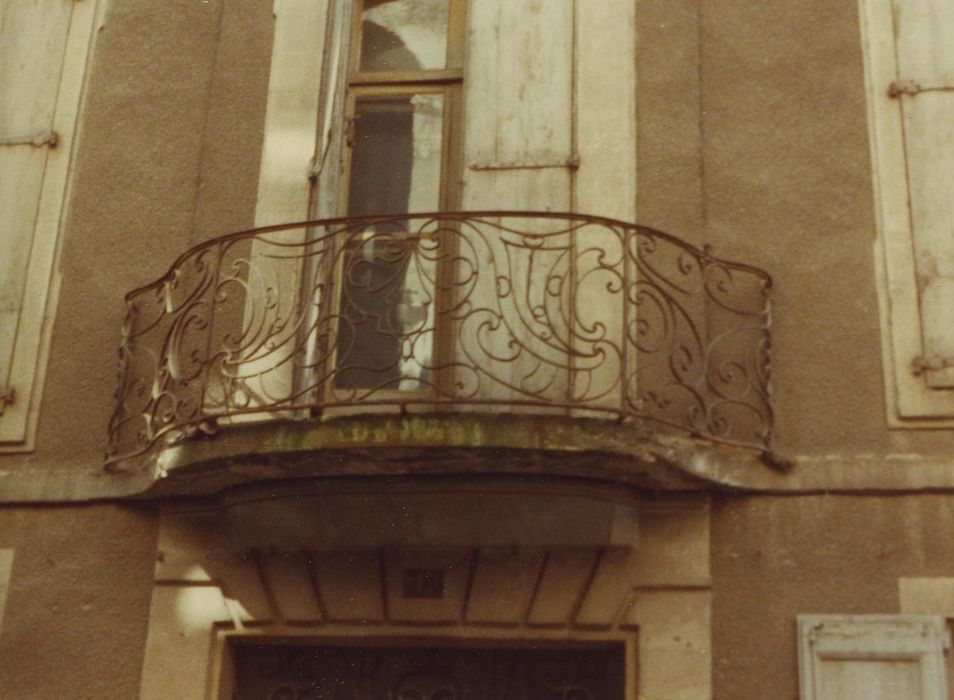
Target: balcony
(505,325)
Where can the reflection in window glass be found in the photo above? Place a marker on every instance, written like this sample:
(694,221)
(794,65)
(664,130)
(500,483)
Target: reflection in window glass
(404,35)
(385,332)
(396,161)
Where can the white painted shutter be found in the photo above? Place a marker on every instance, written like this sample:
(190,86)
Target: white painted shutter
(33,36)
(519,105)
(925,93)
(871,657)
(517,156)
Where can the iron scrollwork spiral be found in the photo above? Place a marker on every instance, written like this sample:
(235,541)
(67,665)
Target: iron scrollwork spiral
(546,312)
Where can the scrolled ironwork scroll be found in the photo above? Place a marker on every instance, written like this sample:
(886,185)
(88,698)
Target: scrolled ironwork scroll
(494,311)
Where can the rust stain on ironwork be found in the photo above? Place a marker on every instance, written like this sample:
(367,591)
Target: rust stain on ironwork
(491,312)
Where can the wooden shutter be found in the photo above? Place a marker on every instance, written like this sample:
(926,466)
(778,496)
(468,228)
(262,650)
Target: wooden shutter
(909,61)
(33,37)
(44,45)
(518,143)
(288,166)
(518,93)
(925,93)
(871,657)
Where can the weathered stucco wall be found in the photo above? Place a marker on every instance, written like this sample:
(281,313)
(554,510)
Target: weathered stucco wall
(668,114)
(78,600)
(788,188)
(168,155)
(752,136)
(775,558)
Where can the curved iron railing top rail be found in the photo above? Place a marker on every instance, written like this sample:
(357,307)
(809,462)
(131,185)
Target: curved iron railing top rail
(496,311)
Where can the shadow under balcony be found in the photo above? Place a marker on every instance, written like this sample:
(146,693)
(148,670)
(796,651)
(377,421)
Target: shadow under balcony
(491,342)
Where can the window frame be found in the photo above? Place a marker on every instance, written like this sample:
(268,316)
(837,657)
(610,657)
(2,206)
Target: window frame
(447,82)
(455,51)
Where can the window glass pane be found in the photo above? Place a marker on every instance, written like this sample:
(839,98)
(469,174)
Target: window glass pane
(385,329)
(396,160)
(401,35)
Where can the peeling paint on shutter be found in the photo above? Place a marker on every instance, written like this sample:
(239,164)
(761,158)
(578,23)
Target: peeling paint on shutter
(518,136)
(291,112)
(518,141)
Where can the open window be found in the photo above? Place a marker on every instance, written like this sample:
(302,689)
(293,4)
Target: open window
(401,137)
(331,310)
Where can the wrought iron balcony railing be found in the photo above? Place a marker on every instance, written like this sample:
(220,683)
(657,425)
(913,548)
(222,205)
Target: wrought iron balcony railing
(494,312)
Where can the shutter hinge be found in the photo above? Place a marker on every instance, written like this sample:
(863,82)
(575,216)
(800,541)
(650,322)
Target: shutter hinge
(922,363)
(42,138)
(572,163)
(903,87)
(910,87)
(7,395)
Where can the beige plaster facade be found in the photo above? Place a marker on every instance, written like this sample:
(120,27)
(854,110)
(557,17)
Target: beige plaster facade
(747,127)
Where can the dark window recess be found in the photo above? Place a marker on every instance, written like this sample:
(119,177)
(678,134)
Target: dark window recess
(278,671)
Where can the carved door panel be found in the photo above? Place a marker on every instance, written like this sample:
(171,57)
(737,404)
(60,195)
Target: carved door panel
(291,671)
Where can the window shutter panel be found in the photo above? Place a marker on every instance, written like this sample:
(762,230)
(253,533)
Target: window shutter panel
(33,36)
(518,147)
(871,657)
(925,92)
(519,105)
